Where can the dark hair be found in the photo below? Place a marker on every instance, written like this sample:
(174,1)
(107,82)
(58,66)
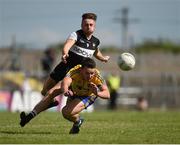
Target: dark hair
(89,16)
(88,62)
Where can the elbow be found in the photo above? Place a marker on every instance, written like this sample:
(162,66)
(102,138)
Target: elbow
(104,94)
(108,96)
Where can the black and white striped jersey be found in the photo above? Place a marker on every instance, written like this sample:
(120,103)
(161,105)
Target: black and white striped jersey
(81,49)
(83,46)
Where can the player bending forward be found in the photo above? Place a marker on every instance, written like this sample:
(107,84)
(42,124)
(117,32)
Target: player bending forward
(82,84)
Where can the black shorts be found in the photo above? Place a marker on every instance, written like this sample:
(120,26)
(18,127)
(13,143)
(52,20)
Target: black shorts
(62,68)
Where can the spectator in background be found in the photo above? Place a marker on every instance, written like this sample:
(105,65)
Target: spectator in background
(142,104)
(113,83)
(47,62)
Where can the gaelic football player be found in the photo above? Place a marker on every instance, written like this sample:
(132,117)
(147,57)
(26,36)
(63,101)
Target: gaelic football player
(83,84)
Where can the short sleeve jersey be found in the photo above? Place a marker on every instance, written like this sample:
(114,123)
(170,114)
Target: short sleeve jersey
(83,46)
(79,86)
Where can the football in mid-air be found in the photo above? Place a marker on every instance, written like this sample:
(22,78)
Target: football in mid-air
(126,61)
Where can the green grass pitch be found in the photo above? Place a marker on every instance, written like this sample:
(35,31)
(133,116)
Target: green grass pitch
(100,127)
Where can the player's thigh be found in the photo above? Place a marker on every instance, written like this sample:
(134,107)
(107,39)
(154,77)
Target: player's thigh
(48,84)
(74,106)
(56,90)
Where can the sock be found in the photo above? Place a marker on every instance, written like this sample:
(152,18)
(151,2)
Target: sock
(77,122)
(31,115)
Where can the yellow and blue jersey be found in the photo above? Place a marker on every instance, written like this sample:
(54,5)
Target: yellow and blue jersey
(80,86)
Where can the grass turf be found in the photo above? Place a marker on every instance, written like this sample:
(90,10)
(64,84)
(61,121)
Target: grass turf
(100,127)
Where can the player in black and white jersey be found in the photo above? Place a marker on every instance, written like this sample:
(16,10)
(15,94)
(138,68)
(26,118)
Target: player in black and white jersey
(81,48)
(80,44)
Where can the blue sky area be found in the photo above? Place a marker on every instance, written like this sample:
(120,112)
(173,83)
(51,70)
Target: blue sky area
(39,23)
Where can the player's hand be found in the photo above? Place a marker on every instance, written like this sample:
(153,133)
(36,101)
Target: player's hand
(69,93)
(106,58)
(94,88)
(64,58)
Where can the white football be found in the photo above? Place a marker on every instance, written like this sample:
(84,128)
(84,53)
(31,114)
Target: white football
(126,61)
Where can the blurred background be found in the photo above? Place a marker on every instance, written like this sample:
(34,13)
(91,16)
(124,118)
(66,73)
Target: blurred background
(32,34)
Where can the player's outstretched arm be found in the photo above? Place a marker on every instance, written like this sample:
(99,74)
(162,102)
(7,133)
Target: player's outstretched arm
(100,56)
(66,82)
(68,44)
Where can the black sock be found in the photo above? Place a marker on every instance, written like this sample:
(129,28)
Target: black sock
(31,115)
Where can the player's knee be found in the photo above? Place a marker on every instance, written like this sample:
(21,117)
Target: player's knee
(43,92)
(65,113)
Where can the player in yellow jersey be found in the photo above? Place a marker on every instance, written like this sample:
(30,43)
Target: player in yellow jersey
(82,84)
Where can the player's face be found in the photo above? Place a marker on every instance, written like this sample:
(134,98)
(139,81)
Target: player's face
(88,73)
(88,26)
